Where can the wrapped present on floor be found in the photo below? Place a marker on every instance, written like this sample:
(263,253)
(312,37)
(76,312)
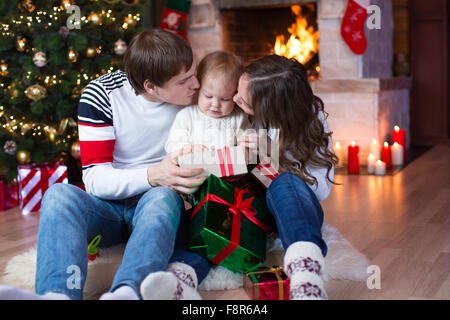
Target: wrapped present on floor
(265,172)
(9,195)
(267,283)
(228,226)
(34,180)
(224,162)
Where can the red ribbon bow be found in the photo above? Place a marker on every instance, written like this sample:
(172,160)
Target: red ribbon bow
(237,208)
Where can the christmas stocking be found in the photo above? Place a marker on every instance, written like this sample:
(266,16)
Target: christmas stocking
(175,16)
(352,27)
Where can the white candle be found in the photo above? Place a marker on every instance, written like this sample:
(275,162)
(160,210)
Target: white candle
(397,154)
(339,153)
(375,149)
(380,168)
(371,164)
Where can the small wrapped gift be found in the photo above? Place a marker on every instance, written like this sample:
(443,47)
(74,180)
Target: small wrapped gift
(228,226)
(34,180)
(267,283)
(228,161)
(265,172)
(9,195)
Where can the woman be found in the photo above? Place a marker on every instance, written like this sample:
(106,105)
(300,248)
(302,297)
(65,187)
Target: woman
(276,91)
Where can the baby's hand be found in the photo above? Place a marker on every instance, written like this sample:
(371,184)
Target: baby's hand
(190,148)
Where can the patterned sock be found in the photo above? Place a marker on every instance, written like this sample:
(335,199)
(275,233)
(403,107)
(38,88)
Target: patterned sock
(179,282)
(303,264)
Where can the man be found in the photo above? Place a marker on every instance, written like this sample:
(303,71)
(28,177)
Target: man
(131,184)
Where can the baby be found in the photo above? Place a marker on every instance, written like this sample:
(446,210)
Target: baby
(214,122)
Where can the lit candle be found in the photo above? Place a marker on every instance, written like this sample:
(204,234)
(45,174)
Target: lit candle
(397,154)
(353,159)
(375,149)
(380,168)
(339,153)
(386,155)
(398,135)
(371,164)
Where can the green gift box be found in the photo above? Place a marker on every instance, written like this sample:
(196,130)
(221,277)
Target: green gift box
(228,226)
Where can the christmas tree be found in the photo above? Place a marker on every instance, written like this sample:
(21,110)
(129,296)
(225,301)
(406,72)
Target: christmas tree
(49,52)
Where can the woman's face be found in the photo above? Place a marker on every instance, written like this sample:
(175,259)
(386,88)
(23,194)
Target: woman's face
(242,96)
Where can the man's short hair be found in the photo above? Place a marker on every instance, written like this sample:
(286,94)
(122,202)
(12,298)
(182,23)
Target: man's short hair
(156,55)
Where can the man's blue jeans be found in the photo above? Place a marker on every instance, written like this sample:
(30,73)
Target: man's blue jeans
(297,211)
(147,223)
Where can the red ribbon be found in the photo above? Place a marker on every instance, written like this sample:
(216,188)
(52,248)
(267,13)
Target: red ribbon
(237,208)
(222,162)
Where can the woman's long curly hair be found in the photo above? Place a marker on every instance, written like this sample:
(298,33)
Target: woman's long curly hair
(282,98)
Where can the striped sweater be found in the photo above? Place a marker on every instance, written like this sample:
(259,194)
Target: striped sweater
(121,134)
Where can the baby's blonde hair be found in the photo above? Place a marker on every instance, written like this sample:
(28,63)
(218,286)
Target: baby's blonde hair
(222,65)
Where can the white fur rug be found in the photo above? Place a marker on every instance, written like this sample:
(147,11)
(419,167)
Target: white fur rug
(343,261)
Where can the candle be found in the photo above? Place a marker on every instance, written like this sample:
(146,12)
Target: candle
(397,154)
(398,135)
(353,159)
(380,168)
(371,164)
(375,149)
(386,155)
(339,153)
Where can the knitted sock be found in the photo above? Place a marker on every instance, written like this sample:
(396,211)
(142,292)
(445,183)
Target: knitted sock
(122,293)
(11,293)
(303,264)
(179,282)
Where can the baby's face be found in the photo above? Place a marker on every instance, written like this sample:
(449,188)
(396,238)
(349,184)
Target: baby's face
(215,98)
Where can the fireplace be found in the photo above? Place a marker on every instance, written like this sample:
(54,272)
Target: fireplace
(363,99)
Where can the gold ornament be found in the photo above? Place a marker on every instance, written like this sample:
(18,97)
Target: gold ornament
(21,43)
(66,4)
(95,18)
(75,150)
(13,92)
(3,68)
(90,52)
(26,5)
(120,47)
(23,156)
(129,21)
(36,92)
(40,59)
(72,55)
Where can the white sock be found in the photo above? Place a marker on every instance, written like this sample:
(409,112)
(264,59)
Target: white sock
(303,264)
(11,293)
(179,282)
(121,293)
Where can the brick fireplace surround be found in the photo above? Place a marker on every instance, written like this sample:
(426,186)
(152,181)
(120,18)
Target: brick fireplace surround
(362,98)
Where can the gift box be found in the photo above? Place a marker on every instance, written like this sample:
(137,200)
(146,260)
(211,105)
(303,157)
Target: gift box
(228,226)
(224,162)
(265,172)
(267,283)
(9,195)
(34,180)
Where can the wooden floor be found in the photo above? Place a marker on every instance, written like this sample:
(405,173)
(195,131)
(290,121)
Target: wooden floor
(401,223)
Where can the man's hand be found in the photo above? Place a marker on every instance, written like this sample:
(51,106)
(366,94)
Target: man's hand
(168,174)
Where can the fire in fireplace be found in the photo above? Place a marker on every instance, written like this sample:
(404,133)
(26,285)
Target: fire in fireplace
(287,31)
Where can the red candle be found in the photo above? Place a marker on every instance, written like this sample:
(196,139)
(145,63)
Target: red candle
(353,159)
(386,155)
(398,135)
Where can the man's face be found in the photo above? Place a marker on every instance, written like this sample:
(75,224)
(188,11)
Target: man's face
(178,90)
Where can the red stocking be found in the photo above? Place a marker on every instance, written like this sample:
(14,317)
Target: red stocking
(352,27)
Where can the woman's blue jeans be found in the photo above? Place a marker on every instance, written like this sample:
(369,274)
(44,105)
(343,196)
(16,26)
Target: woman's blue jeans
(148,224)
(297,211)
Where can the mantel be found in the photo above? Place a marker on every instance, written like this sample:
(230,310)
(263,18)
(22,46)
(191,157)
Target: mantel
(232,4)
(361,85)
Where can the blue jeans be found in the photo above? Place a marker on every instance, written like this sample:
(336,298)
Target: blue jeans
(297,211)
(148,224)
